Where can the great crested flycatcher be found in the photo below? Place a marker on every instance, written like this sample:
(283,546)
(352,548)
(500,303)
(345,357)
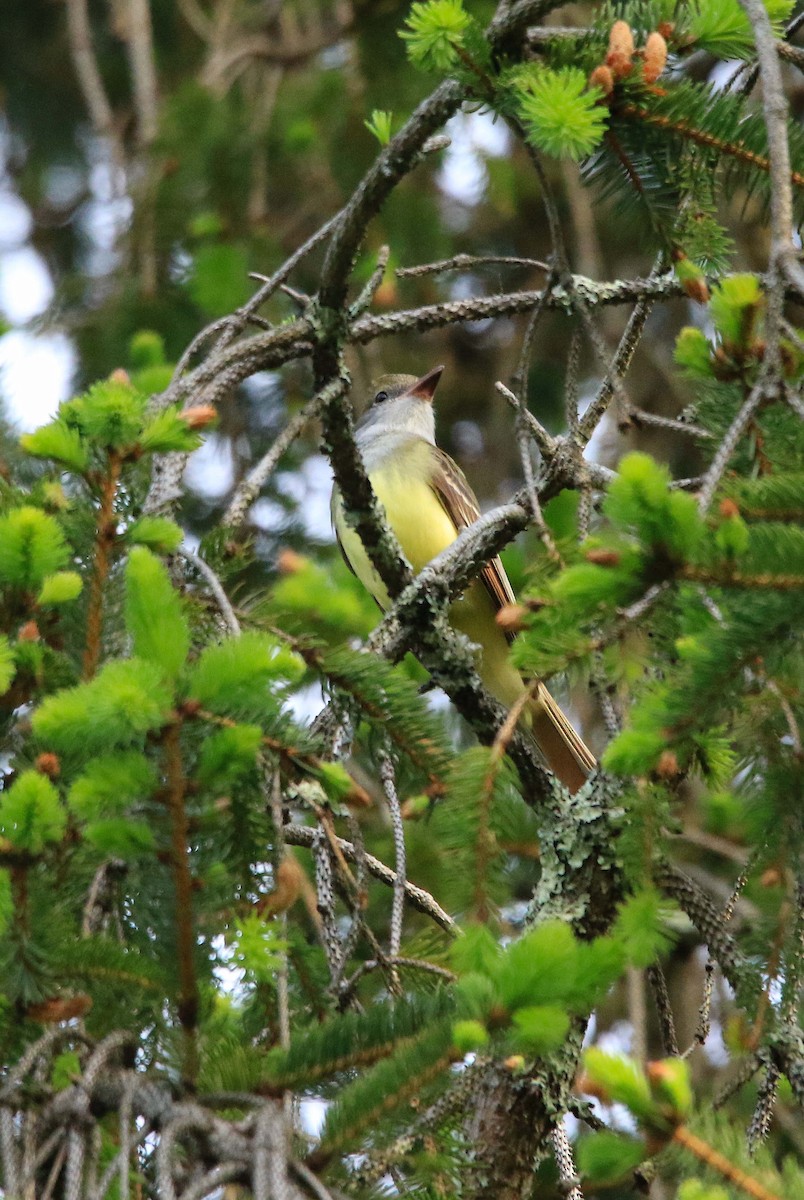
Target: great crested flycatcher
(427,501)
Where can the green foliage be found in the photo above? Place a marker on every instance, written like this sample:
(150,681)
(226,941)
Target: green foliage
(722,28)
(330,601)
(7,666)
(619,1080)
(694,1189)
(124,839)
(59,589)
(388,698)
(31,814)
(560,112)
(147,349)
(111,784)
(379,124)
(109,414)
(539,1029)
(219,281)
(32,546)
(154,617)
(168,431)
(641,925)
(257,948)
(157,533)
(66,1069)
(59,441)
(241,674)
(469,1036)
(405,1073)
(227,754)
(435,29)
(127,700)
(606,1157)
(180,757)
(337,1044)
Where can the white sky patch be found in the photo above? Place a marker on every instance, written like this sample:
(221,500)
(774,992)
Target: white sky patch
(210,470)
(306,704)
(36,372)
(721,73)
(16,222)
(105,217)
(26,288)
(312,1114)
(473,136)
(311,487)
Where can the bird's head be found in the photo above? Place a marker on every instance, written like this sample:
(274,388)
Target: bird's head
(402,402)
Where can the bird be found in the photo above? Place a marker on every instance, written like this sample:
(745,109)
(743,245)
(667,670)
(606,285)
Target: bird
(427,502)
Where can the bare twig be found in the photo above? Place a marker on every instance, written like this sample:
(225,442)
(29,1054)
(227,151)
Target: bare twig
(388,776)
(216,587)
(249,488)
(468,262)
(302,835)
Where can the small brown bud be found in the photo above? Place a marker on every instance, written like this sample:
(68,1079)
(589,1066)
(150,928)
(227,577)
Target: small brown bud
(48,764)
(386,295)
(289,883)
(666,29)
(654,58)
(603,78)
(59,1008)
(199,416)
(29,632)
(590,1087)
(190,707)
(289,562)
(120,376)
(697,289)
(619,64)
(657,1071)
(358,797)
(770,878)
(667,766)
(621,49)
(727,509)
(621,39)
(603,558)
(510,618)
(514,1062)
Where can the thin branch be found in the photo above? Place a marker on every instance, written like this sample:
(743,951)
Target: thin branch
(216,587)
(249,488)
(388,777)
(775,108)
(89,77)
(728,444)
(468,262)
(422,901)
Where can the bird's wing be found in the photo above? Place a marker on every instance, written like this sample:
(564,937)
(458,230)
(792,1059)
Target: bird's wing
(460,503)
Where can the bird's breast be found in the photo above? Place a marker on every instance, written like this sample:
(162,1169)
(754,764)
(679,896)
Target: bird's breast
(401,483)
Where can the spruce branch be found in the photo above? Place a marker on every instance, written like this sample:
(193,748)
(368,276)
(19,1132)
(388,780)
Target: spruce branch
(418,898)
(183,884)
(700,137)
(101,562)
(716,1161)
(774,104)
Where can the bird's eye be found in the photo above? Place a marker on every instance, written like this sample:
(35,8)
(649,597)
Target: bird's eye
(378,399)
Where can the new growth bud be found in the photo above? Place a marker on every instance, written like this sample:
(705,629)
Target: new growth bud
(654,58)
(620,57)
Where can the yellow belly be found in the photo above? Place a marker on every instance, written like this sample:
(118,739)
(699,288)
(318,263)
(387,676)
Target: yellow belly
(424,529)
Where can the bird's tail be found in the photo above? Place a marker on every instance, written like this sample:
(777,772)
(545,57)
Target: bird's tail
(566,753)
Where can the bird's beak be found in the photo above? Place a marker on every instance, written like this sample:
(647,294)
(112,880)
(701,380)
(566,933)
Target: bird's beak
(424,388)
